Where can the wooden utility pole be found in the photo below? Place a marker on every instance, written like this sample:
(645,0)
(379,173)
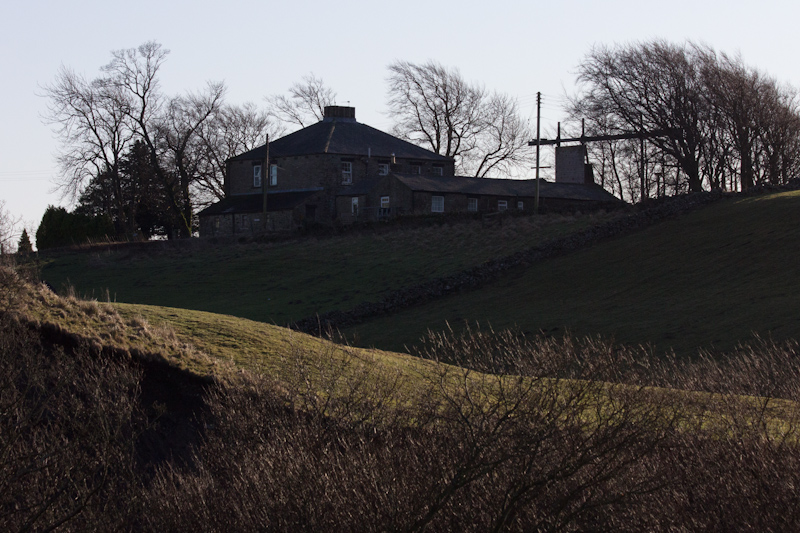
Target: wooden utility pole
(265,176)
(538,147)
(641,148)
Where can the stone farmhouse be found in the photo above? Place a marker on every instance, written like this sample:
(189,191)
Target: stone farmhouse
(341,171)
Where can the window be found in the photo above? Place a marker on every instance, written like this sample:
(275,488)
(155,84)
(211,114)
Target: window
(472,204)
(520,205)
(502,205)
(273,175)
(354,206)
(347,172)
(437,170)
(437,204)
(416,168)
(383,169)
(384,211)
(256,175)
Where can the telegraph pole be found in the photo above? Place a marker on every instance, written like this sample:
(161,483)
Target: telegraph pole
(265,176)
(641,148)
(538,147)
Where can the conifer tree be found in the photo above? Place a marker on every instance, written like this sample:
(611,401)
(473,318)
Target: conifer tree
(24,246)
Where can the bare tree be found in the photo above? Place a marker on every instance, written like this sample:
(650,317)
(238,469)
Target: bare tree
(91,117)
(781,141)
(231,131)
(434,106)
(734,94)
(305,104)
(169,127)
(653,86)
(182,135)
(100,120)
(134,74)
(8,229)
(501,146)
(720,123)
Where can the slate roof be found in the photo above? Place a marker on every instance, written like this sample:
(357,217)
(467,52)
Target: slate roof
(253,203)
(492,187)
(342,136)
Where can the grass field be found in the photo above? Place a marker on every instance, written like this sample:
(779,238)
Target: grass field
(220,347)
(708,279)
(279,283)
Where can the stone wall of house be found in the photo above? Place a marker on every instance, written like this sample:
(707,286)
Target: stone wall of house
(325,170)
(216,225)
(300,172)
(239,179)
(248,223)
(320,170)
(458,202)
(370,205)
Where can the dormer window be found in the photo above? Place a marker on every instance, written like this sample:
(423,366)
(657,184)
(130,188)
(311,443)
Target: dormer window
(347,172)
(437,170)
(416,168)
(383,168)
(256,175)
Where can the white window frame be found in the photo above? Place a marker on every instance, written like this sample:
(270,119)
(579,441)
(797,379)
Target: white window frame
(437,170)
(347,172)
(520,205)
(354,206)
(416,168)
(273,175)
(502,205)
(383,169)
(472,204)
(256,175)
(385,202)
(437,204)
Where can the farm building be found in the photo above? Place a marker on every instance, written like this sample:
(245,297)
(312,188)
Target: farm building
(341,170)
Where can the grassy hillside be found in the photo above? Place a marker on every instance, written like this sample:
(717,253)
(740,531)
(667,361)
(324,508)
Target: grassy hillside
(283,282)
(710,278)
(294,433)
(205,344)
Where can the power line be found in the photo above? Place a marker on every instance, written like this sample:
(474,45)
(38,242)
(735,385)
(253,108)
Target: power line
(26,175)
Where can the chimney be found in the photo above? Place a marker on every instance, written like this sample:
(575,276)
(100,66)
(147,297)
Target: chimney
(339,112)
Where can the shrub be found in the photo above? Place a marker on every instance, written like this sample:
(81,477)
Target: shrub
(67,426)
(62,228)
(470,451)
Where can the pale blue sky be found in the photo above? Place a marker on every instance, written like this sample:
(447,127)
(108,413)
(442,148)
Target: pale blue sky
(261,48)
